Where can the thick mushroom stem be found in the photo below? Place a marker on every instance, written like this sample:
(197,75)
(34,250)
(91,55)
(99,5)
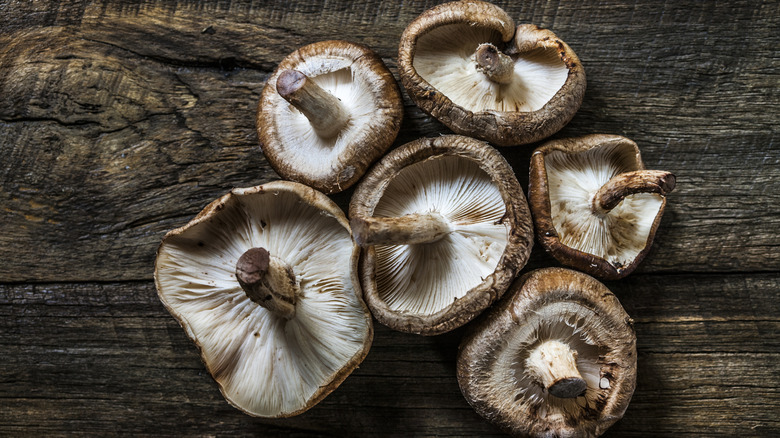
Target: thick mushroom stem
(325,111)
(497,66)
(553,365)
(404,230)
(268,281)
(616,189)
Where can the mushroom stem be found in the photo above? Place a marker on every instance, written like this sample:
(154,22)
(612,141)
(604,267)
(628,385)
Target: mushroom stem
(404,230)
(497,66)
(553,365)
(640,181)
(325,111)
(268,281)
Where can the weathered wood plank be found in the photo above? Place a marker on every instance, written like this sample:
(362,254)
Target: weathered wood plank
(105,358)
(119,122)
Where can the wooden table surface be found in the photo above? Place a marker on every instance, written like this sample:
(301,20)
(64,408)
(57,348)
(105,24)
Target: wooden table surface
(119,122)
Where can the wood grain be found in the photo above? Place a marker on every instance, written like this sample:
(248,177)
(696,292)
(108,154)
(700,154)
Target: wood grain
(107,358)
(119,122)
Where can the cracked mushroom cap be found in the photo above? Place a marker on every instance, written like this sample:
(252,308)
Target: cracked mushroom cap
(556,357)
(328,111)
(263,281)
(444,228)
(466,64)
(596,208)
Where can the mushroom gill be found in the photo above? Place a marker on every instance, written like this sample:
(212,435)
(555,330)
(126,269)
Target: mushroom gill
(425,278)
(446,57)
(617,235)
(569,323)
(268,363)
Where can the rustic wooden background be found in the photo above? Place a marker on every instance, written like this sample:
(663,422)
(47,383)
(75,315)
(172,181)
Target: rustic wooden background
(119,122)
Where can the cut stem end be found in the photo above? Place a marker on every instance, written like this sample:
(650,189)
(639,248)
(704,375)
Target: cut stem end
(268,281)
(568,388)
(497,66)
(325,112)
(405,230)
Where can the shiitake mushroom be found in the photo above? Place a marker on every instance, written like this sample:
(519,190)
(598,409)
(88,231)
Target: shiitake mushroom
(466,64)
(444,227)
(264,282)
(555,357)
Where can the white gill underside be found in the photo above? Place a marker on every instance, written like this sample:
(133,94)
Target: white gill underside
(317,155)
(425,278)
(264,364)
(567,322)
(445,59)
(573,179)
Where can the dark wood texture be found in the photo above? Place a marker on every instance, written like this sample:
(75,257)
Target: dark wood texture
(119,122)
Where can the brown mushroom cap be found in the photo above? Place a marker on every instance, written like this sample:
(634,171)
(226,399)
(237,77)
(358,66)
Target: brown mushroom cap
(462,197)
(345,77)
(550,306)
(595,206)
(448,73)
(272,356)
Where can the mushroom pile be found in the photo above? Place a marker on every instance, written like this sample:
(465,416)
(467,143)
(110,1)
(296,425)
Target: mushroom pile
(277,287)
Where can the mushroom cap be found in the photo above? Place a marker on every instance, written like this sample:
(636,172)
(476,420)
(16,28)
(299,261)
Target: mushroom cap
(266,365)
(437,68)
(432,288)
(550,304)
(352,73)
(564,176)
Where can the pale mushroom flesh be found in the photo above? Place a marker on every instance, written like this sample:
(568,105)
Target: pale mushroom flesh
(618,235)
(445,58)
(422,279)
(266,365)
